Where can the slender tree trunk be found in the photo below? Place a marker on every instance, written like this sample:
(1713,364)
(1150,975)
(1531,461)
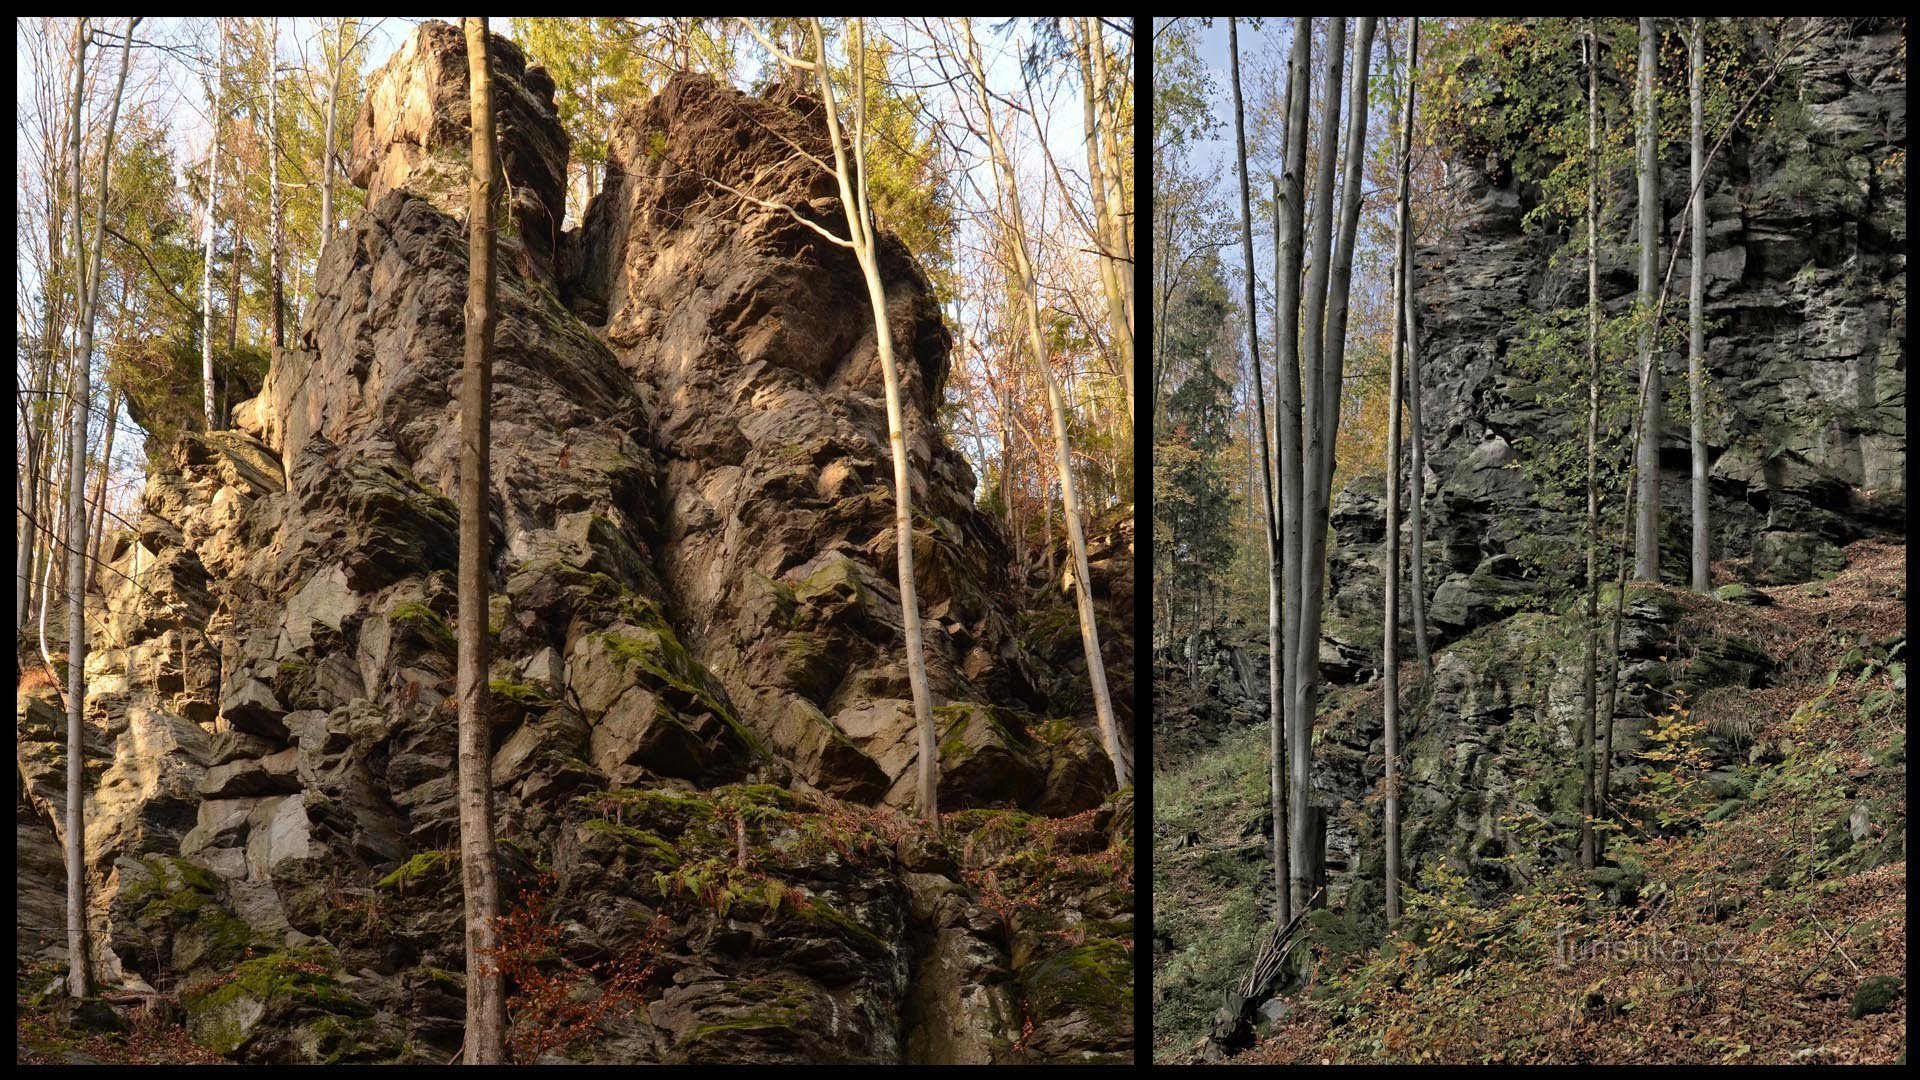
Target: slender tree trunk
(1646,552)
(233,300)
(1105,227)
(1417,434)
(1402,282)
(486,1007)
(1696,329)
(1285,449)
(30,524)
(326,154)
(1118,216)
(853,197)
(1321,382)
(1275,664)
(273,183)
(1292,472)
(1417,473)
(1069,501)
(1589,671)
(77,974)
(1334,357)
(89,282)
(206,237)
(99,531)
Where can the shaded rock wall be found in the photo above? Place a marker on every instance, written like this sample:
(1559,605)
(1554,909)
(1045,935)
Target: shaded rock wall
(699,723)
(1806,275)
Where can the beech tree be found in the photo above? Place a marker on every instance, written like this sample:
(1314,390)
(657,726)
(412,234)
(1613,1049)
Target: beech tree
(1036,339)
(1324,334)
(1289,250)
(486,1003)
(1275,679)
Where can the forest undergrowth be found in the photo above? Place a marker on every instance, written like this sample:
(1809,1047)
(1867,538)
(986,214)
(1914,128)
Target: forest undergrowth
(1752,914)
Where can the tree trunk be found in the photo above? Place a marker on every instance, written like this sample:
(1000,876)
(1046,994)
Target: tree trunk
(89,282)
(278,299)
(206,238)
(853,197)
(1646,549)
(1417,435)
(1069,502)
(99,531)
(1589,671)
(1291,243)
(1275,676)
(1334,357)
(1105,227)
(1696,329)
(77,973)
(1275,462)
(1325,353)
(1402,305)
(486,1009)
(326,152)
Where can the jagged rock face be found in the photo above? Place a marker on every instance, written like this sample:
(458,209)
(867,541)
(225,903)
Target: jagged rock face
(414,131)
(1807,280)
(271,806)
(753,340)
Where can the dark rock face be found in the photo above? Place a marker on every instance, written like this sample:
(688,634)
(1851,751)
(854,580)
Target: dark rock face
(702,744)
(1807,279)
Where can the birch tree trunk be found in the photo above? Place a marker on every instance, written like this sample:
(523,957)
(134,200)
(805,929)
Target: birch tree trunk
(486,1007)
(206,237)
(1696,329)
(1646,548)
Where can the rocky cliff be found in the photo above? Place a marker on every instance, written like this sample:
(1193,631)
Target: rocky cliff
(1806,281)
(703,742)
(1806,289)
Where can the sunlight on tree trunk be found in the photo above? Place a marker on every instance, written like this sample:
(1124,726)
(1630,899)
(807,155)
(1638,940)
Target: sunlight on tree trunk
(486,1007)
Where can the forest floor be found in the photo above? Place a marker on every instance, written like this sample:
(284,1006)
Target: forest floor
(1767,923)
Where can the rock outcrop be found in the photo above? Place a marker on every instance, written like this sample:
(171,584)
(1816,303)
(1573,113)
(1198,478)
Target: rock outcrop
(703,748)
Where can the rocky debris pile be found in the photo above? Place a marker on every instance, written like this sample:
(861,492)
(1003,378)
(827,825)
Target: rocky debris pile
(702,743)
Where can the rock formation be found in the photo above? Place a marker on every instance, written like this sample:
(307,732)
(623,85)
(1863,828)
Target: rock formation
(702,742)
(1806,284)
